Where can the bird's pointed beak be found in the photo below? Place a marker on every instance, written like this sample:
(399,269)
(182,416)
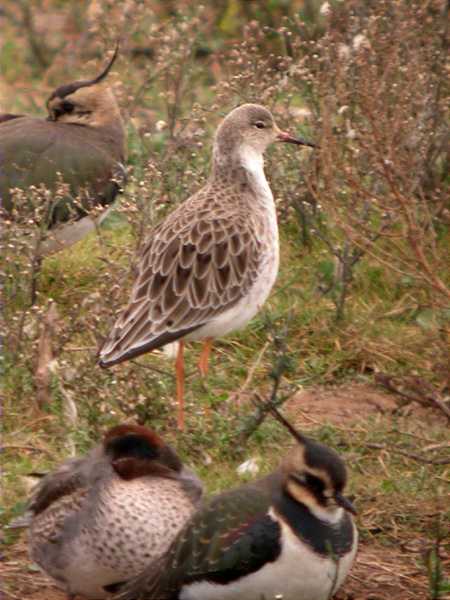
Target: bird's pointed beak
(283,136)
(345,503)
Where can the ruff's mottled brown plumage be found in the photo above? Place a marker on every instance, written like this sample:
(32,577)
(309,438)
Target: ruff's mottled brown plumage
(208,268)
(97,520)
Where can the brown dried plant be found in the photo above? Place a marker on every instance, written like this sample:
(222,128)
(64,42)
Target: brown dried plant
(380,86)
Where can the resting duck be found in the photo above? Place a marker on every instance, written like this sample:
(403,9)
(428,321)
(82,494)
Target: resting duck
(99,520)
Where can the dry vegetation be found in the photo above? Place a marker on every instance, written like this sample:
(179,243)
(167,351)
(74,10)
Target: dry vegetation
(363,297)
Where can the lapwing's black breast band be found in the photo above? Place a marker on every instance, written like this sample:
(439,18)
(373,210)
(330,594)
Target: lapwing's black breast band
(323,538)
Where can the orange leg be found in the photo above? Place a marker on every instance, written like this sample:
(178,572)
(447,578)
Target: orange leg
(179,367)
(204,357)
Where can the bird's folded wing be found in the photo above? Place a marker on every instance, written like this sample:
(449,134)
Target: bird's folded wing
(70,478)
(35,152)
(194,267)
(229,537)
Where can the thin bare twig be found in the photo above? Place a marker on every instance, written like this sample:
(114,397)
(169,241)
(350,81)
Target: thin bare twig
(412,455)
(253,368)
(428,396)
(263,406)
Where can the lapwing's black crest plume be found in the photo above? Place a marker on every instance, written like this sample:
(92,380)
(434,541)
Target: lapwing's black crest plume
(106,70)
(65,90)
(316,453)
(80,144)
(270,407)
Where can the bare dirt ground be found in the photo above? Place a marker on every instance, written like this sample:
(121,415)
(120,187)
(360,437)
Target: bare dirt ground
(380,573)
(342,405)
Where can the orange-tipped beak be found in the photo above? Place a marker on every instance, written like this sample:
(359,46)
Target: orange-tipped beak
(283,136)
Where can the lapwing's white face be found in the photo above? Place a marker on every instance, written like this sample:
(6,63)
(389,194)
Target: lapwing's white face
(85,102)
(91,106)
(316,477)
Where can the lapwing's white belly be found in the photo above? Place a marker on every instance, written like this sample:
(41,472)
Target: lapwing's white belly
(243,311)
(297,574)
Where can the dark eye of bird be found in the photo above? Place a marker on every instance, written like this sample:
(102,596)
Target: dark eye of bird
(67,107)
(315,484)
(260,125)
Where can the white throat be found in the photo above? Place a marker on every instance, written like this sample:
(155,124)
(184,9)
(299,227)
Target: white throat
(253,163)
(331,516)
(252,160)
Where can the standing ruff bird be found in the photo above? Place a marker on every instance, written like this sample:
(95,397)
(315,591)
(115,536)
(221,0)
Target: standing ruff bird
(81,144)
(100,519)
(289,536)
(208,268)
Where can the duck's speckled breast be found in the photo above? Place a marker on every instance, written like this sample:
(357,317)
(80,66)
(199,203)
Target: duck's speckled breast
(109,533)
(135,521)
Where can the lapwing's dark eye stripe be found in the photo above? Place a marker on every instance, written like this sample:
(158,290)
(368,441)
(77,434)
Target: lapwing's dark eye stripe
(260,124)
(67,107)
(299,478)
(315,483)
